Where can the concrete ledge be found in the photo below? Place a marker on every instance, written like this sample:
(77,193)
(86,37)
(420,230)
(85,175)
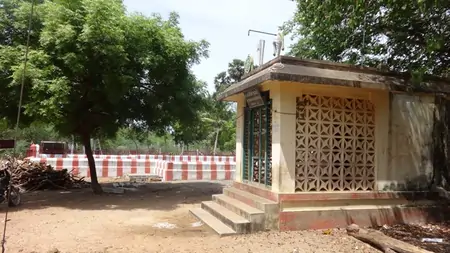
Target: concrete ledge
(381,195)
(256,190)
(323,218)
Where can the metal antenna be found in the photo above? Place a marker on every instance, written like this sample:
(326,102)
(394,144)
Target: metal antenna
(256,31)
(261,44)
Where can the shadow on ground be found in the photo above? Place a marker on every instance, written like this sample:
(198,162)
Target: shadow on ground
(150,196)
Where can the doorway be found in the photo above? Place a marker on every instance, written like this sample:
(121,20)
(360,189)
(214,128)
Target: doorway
(257,162)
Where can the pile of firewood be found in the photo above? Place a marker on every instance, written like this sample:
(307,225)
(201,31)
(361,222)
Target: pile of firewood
(32,176)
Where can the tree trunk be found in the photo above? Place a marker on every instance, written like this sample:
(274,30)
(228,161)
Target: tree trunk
(100,147)
(215,141)
(96,188)
(182,148)
(385,243)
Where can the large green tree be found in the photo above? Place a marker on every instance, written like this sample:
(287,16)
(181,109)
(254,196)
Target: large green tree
(394,35)
(14,23)
(94,68)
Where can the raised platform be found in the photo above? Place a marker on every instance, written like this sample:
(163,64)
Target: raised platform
(245,208)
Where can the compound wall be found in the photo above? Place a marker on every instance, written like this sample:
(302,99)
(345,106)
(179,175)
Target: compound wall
(119,166)
(174,158)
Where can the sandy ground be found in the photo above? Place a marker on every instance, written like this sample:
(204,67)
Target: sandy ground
(150,218)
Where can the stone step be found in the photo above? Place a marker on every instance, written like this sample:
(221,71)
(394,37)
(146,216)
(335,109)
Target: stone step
(233,220)
(212,222)
(253,200)
(254,215)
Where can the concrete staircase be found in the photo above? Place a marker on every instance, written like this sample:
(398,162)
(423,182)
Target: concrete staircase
(238,212)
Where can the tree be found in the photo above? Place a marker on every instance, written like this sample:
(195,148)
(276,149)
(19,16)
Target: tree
(96,68)
(220,115)
(195,131)
(394,35)
(232,75)
(35,132)
(14,22)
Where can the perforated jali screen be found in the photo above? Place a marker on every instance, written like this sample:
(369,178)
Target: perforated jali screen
(335,144)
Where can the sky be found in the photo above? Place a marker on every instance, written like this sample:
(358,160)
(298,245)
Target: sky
(225,25)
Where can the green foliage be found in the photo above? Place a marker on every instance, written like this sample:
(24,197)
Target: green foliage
(233,75)
(36,133)
(395,35)
(93,68)
(221,116)
(217,126)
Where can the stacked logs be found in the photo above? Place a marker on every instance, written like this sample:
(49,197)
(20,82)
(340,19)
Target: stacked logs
(32,176)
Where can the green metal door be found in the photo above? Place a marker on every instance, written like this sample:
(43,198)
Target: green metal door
(257,160)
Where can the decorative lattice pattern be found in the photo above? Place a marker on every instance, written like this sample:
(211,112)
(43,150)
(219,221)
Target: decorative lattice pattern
(335,144)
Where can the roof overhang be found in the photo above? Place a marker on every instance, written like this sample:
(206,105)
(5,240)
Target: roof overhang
(293,69)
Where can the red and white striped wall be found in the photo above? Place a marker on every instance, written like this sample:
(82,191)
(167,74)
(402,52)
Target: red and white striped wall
(168,170)
(105,167)
(176,171)
(174,158)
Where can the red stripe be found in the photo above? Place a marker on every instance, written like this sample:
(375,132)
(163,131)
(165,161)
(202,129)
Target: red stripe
(227,171)
(59,164)
(213,171)
(184,171)
(199,167)
(119,168)
(147,166)
(105,168)
(169,171)
(133,166)
(75,167)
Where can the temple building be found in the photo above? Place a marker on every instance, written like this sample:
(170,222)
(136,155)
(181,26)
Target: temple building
(322,145)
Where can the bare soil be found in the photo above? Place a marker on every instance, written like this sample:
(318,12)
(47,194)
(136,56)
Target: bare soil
(151,218)
(413,234)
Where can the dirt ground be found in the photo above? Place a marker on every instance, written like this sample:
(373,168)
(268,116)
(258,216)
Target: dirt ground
(414,233)
(151,218)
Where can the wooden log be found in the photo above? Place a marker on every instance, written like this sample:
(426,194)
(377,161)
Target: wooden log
(442,192)
(385,243)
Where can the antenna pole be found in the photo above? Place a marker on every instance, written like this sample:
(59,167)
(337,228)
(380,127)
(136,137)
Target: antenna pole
(256,31)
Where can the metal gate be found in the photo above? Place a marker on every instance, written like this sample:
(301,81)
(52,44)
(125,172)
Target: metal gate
(257,160)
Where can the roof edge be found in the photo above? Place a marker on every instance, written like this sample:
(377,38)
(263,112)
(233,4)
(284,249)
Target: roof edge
(289,60)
